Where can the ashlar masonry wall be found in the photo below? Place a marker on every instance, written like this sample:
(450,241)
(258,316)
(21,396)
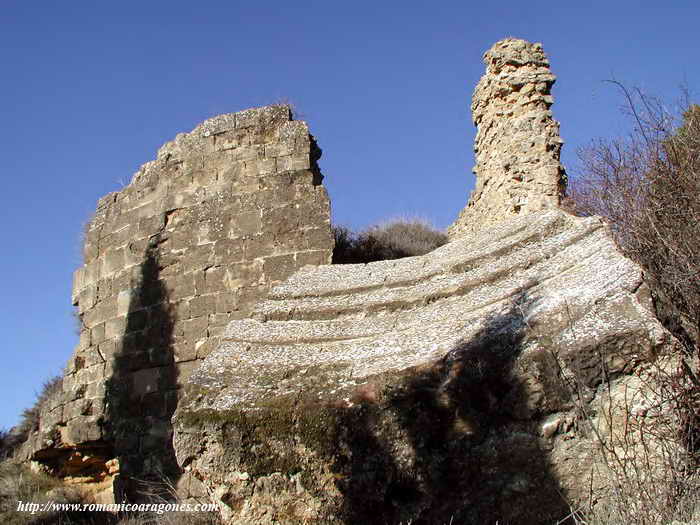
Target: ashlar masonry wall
(201,233)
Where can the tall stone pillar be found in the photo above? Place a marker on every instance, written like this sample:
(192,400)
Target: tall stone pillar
(517,143)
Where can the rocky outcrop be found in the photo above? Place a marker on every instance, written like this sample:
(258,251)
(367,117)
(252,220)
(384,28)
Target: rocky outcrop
(517,143)
(435,388)
(198,237)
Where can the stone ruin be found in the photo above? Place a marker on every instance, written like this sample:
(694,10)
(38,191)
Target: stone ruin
(220,347)
(517,142)
(197,238)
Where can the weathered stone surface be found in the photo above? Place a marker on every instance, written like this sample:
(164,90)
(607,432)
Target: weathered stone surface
(429,388)
(198,236)
(476,384)
(517,143)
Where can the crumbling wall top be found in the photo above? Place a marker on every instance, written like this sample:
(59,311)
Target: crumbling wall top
(517,144)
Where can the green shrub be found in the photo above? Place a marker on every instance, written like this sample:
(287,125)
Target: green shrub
(391,240)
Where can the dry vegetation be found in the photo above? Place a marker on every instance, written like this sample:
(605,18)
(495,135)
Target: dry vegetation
(19,483)
(647,187)
(29,420)
(391,240)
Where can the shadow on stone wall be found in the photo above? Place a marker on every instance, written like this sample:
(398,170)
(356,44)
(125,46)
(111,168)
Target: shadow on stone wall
(141,393)
(447,446)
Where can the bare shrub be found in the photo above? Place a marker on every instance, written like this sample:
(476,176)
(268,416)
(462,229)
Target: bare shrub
(5,440)
(647,186)
(392,240)
(643,472)
(29,419)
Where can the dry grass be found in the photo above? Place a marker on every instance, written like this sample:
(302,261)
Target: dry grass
(29,420)
(19,483)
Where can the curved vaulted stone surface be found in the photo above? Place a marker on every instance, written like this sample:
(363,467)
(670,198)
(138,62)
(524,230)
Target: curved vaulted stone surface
(200,234)
(419,389)
(517,143)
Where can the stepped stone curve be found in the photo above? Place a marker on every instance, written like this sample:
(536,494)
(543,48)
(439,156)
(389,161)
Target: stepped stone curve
(517,143)
(350,322)
(347,373)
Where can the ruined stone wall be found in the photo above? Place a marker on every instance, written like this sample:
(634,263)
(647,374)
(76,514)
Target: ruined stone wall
(201,233)
(517,143)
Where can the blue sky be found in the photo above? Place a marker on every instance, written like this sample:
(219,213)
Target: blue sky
(90,90)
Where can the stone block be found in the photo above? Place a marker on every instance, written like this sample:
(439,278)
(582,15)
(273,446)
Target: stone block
(161,355)
(115,327)
(205,177)
(89,251)
(248,153)
(231,171)
(232,139)
(95,390)
(78,281)
(124,301)
(97,334)
(256,246)
(104,289)
(87,298)
(246,224)
(81,430)
(281,220)
(185,284)
(243,274)
(184,350)
(91,273)
(135,251)
(294,162)
(91,316)
(184,370)
(278,267)
(198,257)
(75,409)
(199,282)
(226,302)
(314,258)
(228,251)
(214,280)
(279,149)
(136,321)
(267,166)
(51,418)
(317,238)
(108,348)
(145,382)
(108,308)
(196,328)
(154,404)
(182,310)
(202,305)
(85,339)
